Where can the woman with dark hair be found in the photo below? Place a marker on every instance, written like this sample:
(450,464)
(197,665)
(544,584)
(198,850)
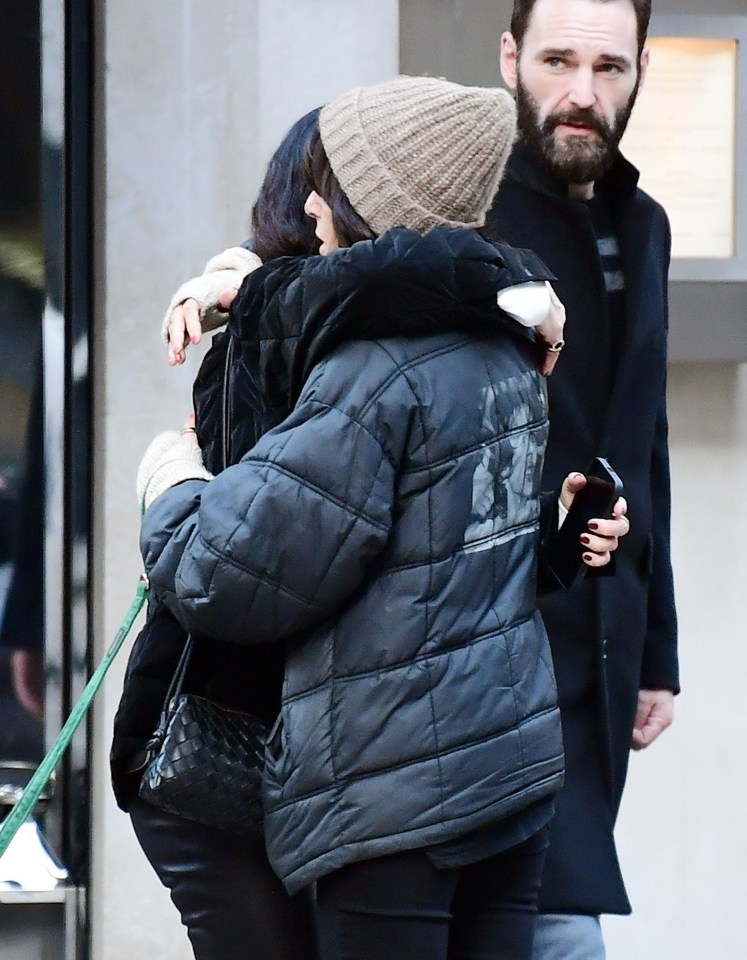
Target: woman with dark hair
(279,228)
(279,225)
(384,535)
(230,901)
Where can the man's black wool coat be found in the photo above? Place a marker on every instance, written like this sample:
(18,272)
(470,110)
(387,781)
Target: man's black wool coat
(610,636)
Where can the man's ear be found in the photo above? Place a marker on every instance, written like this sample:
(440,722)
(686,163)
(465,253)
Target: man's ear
(509,60)
(643,65)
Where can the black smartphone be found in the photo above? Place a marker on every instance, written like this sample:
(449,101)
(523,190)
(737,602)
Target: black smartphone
(594,501)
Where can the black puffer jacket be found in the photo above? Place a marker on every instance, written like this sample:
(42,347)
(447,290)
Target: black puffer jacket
(386,532)
(266,347)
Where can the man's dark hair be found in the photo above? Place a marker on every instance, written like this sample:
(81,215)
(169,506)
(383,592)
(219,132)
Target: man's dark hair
(279,226)
(522,13)
(349,225)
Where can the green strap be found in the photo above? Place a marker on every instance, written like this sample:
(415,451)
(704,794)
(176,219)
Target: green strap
(27,801)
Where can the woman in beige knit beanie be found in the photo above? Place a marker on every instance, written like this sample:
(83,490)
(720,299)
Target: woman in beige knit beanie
(385,536)
(419,152)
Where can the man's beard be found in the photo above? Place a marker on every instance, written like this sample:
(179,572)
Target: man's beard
(581,159)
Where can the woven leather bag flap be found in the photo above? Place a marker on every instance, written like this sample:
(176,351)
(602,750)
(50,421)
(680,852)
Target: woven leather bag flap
(208,767)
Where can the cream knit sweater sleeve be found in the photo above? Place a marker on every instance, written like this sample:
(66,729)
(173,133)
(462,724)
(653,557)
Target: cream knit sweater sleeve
(226,270)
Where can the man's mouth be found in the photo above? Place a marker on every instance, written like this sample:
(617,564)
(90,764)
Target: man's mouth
(574,128)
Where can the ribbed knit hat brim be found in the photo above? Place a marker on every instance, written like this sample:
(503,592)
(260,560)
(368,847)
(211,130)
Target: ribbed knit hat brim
(419,152)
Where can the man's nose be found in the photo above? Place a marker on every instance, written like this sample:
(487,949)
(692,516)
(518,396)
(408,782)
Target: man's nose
(582,93)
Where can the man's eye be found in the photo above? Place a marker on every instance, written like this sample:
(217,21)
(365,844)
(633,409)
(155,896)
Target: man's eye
(555,61)
(611,68)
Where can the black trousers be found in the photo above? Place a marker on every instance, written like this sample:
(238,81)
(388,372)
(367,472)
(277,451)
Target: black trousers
(230,901)
(401,907)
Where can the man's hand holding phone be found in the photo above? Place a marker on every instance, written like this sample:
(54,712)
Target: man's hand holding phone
(596,519)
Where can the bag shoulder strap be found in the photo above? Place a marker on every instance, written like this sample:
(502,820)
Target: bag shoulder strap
(226,425)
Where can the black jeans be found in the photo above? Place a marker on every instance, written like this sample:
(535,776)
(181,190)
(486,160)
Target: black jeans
(230,901)
(401,907)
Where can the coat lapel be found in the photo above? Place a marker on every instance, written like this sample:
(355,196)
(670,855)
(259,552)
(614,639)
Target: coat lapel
(645,318)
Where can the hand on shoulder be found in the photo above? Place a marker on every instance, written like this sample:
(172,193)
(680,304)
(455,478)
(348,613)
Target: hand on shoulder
(202,303)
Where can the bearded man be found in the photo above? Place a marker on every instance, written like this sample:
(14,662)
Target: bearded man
(576,67)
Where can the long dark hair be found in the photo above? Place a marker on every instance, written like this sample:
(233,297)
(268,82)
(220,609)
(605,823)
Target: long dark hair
(279,226)
(522,13)
(349,225)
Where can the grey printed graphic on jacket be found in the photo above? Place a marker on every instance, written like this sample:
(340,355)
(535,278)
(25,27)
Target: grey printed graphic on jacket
(499,484)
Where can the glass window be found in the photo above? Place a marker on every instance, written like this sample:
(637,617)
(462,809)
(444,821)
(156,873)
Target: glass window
(45,250)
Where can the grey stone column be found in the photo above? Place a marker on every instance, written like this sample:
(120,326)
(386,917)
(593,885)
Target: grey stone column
(192,97)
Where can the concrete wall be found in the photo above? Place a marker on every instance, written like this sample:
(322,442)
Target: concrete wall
(192,97)
(681,832)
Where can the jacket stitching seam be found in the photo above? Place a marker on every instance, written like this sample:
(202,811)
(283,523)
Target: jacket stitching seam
(306,864)
(401,369)
(259,575)
(532,426)
(429,492)
(527,527)
(325,494)
(311,401)
(355,778)
(377,671)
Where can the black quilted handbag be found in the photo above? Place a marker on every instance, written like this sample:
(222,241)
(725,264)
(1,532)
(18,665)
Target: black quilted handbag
(205,761)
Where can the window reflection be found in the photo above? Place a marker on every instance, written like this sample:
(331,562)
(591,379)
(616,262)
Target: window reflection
(22,298)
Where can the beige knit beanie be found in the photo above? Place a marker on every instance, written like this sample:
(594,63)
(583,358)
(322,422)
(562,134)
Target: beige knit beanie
(419,152)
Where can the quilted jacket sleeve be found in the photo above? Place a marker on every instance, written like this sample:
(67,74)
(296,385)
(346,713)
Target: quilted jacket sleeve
(278,542)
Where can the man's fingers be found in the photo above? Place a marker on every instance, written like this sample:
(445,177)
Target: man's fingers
(654,713)
(596,559)
(645,735)
(550,333)
(548,363)
(603,537)
(571,485)
(612,529)
(598,544)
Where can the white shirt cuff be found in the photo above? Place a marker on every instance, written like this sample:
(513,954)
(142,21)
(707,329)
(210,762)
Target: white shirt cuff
(528,303)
